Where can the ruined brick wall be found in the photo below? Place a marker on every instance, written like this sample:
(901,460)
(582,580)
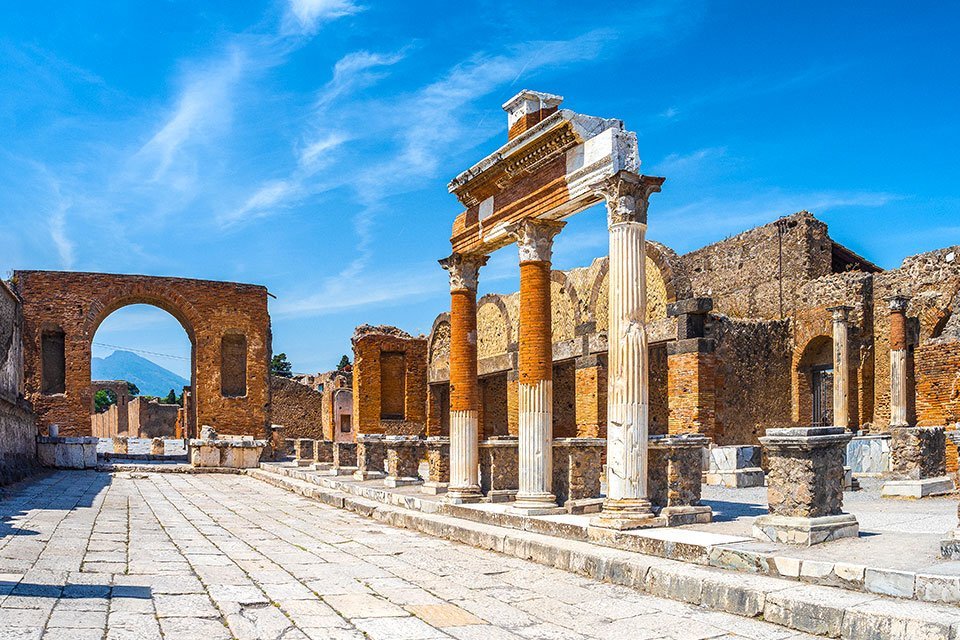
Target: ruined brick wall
(18,429)
(74,304)
(932,280)
(369,345)
(116,419)
(743,274)
(938,388)
(658,394)
(564,400)
(492,416)
(692,393)
(151,419)
(298,408)
(753,377)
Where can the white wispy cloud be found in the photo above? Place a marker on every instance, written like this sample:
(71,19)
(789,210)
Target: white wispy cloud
(357,70)
(306,16)
(681,165)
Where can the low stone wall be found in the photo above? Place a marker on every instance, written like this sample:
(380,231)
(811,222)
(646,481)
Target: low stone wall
(499,468)
(438,465)
(917,453)
(344,454)
(18,446)
(67,453)
(228,453)
(403,460)
(675,469)
(371,456)
(577,467)
(303,451)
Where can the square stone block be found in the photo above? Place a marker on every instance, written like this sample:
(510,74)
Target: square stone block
(917,488)
(805,531)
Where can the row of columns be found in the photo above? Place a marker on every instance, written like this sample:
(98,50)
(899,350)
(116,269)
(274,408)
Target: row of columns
(898,362)
(627,504)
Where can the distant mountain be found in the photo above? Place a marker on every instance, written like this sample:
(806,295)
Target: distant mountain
(150,378)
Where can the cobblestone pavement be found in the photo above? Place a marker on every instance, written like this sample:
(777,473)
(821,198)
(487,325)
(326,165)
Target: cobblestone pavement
(90,555)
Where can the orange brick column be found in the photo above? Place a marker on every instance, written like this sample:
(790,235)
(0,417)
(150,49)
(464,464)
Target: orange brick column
(627,505)
(464,392)
(691,371)
(898,360)
(535,389)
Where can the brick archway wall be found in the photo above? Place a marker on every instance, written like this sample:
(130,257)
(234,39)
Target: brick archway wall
(76,304)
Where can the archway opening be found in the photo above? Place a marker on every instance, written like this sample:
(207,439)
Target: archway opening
(815,382)
(142,377)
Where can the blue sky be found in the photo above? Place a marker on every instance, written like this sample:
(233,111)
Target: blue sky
(306,144)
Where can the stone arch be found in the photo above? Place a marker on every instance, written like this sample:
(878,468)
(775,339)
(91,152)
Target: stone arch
(816,355)
(563,301)
(494,333)
(206,310)
(667,282)
(438,349)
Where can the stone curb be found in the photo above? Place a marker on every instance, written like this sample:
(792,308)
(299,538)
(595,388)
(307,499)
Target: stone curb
(164,468)
(739,557)
(828,611)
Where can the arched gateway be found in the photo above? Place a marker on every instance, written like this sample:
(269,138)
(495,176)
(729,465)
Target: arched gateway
(227,323)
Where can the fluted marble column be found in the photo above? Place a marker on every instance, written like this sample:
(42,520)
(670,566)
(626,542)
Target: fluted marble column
(626,505)
(464,396)
(841,365)
(898,360)
(535,389)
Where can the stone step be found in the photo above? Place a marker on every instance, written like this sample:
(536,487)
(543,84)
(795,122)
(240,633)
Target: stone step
(828,611)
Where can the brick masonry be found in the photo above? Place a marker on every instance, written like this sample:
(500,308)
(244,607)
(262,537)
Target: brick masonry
(76,303)
(369,346)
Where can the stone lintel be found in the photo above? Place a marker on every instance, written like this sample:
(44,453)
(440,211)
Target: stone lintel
(690,345)
(683,440)
(695,306)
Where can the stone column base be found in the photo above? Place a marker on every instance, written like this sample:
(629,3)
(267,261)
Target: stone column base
(536,505)
(626,514)
(463,495)
(433,488)
(950,546)
(337,471)
(400,481)
(805,531)
(322,466)
(917,488)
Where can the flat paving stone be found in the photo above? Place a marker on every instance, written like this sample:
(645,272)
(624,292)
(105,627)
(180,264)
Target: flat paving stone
(167,556)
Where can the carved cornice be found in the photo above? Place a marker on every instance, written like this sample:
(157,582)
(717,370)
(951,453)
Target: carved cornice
(627,195)
(464,270)
(526,160)
(535,238)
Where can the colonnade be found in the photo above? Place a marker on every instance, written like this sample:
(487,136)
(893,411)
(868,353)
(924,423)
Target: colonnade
(626,195)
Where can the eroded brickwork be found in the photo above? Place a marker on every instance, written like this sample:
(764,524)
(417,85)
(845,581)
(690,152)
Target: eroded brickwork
(298,408)
(76,303)
(369,346)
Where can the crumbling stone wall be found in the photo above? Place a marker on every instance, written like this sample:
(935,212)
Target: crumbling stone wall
(115,420)
(298,408)
(336,393)
(753,377)
(18,430)
(151,419)
(369,345)
(75,304)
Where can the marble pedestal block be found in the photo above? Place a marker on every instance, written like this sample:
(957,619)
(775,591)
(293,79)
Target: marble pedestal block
(438,466)
(403,460)
(805,487)
(67,453)
(304,451)
(371,456)
(120,444)
(868,456)
(733,466)
(577,465)
(917,463)
(231,453)
(499,468)
(674,475)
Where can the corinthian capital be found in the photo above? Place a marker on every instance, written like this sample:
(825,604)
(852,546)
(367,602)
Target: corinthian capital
(840,313)
(464,270)
(535,238)
(898,303)
(627,195)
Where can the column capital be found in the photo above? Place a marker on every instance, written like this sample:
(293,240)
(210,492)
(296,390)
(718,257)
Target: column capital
(464,270)
(840,313)
(898,303)
(627,195)
(535,238)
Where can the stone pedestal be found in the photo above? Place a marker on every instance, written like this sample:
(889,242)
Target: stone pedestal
(120,444)
(438,465)
(67,453)
(733,466)
(304,451)
(499,458)
(232,453)
(805,487)
(673,478)
(577,465)
(323,451)
(156,447)
(344,460)
(950,545)
(917,463)
(403,460)
(289,449)
(371,456)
